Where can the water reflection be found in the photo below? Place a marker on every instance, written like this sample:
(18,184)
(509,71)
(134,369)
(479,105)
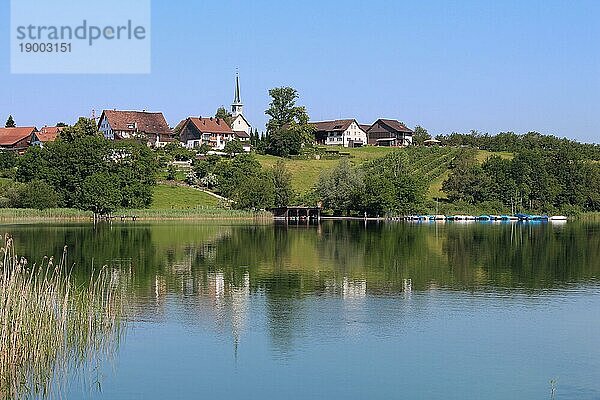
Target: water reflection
(212,272)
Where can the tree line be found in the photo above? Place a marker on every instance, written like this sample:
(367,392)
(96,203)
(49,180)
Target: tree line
(535,180)
(83,170)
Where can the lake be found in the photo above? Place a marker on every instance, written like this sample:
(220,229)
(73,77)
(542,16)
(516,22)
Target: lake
(343,310)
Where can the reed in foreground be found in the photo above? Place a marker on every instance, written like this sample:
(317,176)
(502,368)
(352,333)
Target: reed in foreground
(50,325)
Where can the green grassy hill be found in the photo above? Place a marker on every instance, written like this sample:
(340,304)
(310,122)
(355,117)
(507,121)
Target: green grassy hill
(168,197)
(432,163)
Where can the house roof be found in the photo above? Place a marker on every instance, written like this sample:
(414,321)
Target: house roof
(393,124)
(240,116)
(48,133)
(364,127)
(146,122)
(241,134)
(338,125)
(209,125)
(11,136)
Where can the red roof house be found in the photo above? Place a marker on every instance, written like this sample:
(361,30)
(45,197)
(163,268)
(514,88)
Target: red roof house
(17,139)
(151,126)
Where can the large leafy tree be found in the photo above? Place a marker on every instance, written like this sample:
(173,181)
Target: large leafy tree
(68,165)
(420,135)
(225,115)
(340,188)
(287,128)
(82,128)
(282,184)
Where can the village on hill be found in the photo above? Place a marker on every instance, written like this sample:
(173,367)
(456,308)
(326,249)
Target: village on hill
(213,131)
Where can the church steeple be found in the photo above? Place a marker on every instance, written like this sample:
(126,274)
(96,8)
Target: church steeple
(237,108)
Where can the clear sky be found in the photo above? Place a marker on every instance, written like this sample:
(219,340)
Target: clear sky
(446,65)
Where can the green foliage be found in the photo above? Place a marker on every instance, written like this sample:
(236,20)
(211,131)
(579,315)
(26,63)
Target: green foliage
(256,192)
(282,185)
(341,188)
(420,135)
(535,180)
(67,165)
(10,122)
(8,159)
(234,147)
(382,186)
(175,151)
(511,142)
(83,127)
(37,194)
(288,128)
(225,115)
(99,193)
(171,173)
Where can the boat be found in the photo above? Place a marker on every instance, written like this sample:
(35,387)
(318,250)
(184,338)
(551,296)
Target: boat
(484,218)
(558,218)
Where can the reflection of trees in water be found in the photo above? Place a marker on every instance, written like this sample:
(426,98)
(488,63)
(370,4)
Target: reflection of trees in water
(209,273)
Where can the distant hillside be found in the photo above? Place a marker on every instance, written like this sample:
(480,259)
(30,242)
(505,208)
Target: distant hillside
(432,163)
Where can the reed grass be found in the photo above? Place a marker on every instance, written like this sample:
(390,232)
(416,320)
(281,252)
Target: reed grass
(51,214)
(50,325)
(198,213)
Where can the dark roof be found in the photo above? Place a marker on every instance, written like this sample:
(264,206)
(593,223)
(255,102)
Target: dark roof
(11,136)
(241,134)
(393,124)
(146,122)
(364,127)
(338,125)
(208,125)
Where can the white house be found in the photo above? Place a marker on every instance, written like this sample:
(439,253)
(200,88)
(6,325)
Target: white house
(194,132)
(340,132)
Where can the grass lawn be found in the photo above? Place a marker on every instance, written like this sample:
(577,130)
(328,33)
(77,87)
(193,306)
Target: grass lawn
(168,197)
(305,173)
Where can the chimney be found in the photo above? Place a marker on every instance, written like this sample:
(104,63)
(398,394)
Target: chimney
(211,118)
(218,122)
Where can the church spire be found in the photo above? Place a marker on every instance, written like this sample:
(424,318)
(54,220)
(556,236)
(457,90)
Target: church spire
(237,107)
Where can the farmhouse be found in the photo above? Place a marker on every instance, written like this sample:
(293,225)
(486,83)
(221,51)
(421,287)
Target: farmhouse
(148,126)
(340,132)
(389,132)
(16,139)
(45,135)
(194,132)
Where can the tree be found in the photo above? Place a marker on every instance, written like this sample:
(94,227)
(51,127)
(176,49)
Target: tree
(234,147)
(288,128)
(420,135)
(99,193)
(339,189)
(82,128)
(10,122)
(61,125)
(255,193)
(282,183)
(8,159)
(65,165)
(39,195)
(225,115)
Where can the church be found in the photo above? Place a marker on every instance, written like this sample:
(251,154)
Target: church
(238,121)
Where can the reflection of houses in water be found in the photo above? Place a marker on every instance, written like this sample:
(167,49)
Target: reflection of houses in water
(354,289)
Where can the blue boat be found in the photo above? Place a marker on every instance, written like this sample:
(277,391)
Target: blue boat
(484,218)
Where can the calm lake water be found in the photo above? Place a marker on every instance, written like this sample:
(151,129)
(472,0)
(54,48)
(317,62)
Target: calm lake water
(343,310)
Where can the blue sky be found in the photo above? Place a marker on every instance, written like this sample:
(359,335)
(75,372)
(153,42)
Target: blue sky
(448,66)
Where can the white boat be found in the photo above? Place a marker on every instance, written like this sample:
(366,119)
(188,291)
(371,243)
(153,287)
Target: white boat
(558,218)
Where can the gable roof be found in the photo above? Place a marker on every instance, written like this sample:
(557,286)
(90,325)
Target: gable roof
(48,133)
(338,125)
(241,135)
(208,125)
(364,127)
(244,118)
(11,136)
(146,122)
(393,125)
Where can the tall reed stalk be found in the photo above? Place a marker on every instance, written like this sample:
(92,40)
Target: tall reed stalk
(50,325)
